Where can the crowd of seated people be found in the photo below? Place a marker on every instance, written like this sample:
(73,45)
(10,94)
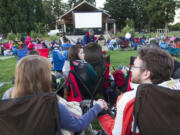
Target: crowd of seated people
(89,63)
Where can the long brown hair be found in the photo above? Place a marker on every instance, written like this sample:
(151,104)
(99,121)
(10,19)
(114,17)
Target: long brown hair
(73,52)
(93,53)
(32,76)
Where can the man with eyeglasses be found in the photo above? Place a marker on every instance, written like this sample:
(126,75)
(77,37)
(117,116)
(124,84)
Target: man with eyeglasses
(152,65)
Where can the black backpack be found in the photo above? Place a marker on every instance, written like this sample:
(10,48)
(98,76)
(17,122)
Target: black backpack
(157,110)
(30,115)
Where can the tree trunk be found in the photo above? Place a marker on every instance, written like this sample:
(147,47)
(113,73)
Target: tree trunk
(149,23)
(166,23)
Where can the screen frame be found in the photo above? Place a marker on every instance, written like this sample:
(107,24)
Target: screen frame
(88,27)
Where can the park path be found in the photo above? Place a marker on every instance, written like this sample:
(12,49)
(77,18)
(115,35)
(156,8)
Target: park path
(3,83)
(5,57)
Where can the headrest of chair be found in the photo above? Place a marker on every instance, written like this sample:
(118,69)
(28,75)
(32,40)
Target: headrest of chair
(78,65)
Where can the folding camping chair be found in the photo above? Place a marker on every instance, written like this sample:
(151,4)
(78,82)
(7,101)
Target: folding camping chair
(126,86)
(58,59)
(43,52)
(21,53)
(157,110)
(124,44)
(78,91)
(14,48)
(30,115)
(65,46)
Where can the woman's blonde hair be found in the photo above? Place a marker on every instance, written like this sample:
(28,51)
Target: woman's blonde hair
(32,76)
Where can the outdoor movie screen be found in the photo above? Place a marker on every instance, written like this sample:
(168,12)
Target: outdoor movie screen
(88,20)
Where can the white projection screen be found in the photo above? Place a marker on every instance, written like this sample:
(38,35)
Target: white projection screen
(88,20)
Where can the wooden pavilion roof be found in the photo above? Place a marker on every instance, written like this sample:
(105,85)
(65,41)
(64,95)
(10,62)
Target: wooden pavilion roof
(84,6)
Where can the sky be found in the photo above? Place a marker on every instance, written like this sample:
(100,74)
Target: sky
(176,17)
(99,3)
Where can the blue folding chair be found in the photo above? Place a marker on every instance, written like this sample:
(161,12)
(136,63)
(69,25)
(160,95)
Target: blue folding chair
(65,46)
(22,53)
(58,60)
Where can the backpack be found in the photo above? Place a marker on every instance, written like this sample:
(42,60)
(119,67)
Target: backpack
(119,78)
(73,92)
(157,110)
(30,115)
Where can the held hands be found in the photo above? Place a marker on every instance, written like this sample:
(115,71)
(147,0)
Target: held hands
(102,104)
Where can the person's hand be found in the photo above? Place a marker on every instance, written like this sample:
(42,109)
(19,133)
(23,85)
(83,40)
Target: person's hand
(102,104)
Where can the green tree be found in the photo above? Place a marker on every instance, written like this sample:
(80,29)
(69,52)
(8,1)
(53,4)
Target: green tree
(150,7)
(168,11)
(8,16)
(120,10)
(58,8)
(50,19)
(53,11)
(20,15)
(31,12)
(157,13)
(129,22)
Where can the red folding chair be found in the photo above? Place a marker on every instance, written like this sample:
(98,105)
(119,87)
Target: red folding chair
(43,52)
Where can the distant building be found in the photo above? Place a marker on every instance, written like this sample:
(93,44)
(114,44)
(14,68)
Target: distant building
(68,21)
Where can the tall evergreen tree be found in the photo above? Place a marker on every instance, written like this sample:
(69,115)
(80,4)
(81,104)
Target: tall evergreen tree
(20,15)
(8,16)
(168,11)
(50,19)
(58,8)
(54,9)
(120,10)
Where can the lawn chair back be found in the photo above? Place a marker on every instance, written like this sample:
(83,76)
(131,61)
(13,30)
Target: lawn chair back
(127,86)
(30,115)
(14,49)
(58,60)
(66,46)
(157,110)
(43,52)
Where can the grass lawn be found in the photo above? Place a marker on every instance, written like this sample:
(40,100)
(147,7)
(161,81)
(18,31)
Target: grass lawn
(7,68)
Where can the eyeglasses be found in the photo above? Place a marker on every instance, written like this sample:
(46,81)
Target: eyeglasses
(138,67)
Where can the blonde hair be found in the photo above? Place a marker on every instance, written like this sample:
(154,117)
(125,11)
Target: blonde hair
(32,76)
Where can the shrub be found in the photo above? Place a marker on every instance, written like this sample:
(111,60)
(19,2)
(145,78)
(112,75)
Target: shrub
(54,37)
(34,34)
(128,29)
(11,36)
(18,35)
(175,27)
